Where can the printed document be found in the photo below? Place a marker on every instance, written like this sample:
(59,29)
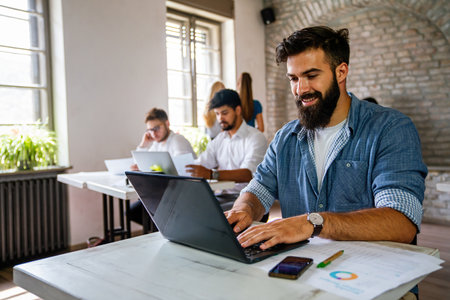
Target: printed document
(364,271)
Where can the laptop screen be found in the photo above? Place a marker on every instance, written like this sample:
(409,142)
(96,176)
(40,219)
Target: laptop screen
(185,210)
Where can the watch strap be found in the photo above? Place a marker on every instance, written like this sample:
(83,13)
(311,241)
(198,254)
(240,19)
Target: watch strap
(317,230)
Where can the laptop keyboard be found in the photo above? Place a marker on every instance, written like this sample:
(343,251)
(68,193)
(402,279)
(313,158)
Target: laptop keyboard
(254,249)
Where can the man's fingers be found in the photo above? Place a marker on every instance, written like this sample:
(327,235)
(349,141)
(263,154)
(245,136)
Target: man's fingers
(240,219)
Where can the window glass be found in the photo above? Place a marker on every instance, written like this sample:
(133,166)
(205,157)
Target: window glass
(24,97)
(193,61)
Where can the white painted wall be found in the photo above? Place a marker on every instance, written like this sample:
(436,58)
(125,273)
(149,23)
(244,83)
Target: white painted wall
(109,65)
(109,69)
(250,56)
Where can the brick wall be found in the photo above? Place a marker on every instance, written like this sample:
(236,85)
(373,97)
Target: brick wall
(400,55)
(436,208)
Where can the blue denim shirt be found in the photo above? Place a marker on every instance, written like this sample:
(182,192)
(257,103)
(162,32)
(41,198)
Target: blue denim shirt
(374,161)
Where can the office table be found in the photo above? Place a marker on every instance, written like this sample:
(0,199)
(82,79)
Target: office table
(150,267)
(114,186)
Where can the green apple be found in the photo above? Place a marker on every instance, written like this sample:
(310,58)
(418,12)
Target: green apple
(156,168)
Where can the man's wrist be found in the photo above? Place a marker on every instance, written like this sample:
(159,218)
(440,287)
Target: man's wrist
(316,220)
(215,174)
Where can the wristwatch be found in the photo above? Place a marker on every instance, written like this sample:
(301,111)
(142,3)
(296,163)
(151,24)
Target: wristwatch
(215,174)
(317,221)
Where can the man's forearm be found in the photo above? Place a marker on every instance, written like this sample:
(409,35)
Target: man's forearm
(374,224)
(238,175)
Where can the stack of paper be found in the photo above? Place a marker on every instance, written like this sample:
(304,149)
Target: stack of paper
(364,271)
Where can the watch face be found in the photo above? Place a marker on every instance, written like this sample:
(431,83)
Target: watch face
(315,218)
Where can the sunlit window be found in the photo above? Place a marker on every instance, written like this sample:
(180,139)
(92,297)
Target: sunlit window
(24,87)
(193,62)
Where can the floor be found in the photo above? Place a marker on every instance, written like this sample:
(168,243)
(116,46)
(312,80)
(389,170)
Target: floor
(435,287)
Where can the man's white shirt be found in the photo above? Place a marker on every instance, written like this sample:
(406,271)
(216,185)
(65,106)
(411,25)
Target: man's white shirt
(244,150)
(175,144)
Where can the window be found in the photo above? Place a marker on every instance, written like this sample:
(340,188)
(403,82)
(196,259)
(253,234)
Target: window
(24,61)
(193,62)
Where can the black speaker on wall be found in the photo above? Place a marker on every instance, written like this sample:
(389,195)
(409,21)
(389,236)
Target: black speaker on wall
(268,15)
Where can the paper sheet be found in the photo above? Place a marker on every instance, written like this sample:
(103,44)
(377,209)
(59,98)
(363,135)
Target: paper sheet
(364,271)
(119,166)
(180,162)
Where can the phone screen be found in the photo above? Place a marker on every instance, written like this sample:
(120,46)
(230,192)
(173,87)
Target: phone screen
(291,267)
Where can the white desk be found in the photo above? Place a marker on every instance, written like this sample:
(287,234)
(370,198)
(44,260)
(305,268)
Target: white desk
(443,187)
(114,186)
(150,267)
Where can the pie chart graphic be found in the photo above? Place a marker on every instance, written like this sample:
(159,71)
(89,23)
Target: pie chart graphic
(343,275)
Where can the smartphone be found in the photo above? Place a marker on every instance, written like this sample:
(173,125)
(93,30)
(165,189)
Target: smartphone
(291,267)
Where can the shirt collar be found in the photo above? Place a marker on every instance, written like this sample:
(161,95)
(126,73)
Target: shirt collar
(353,114)
(242,131)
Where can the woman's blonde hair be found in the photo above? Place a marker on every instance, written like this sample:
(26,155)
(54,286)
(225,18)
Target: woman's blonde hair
(246,95)
(209,115)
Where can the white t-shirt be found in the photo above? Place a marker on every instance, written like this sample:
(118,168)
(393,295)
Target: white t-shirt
(323,138)
(175,144)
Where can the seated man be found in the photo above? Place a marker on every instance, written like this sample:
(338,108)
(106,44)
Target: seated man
(235,152)
(158,137)
(345,170)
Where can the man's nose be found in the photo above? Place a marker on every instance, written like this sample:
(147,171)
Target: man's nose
(302,87)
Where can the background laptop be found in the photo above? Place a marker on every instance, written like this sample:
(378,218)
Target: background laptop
(185,211)
(146,159)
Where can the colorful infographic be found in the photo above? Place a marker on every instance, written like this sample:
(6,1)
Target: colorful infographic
(343,275)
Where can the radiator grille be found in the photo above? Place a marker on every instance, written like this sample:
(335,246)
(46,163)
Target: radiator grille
(33,216)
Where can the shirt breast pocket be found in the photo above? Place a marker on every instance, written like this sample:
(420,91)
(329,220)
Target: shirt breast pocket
(349,187)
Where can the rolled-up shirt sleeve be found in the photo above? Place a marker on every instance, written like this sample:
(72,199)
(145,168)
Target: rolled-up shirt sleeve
(399,171)
(264,185)
(402,201)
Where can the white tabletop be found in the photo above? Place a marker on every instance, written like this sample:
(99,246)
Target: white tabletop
(443,187)
(115,185)
(150,267)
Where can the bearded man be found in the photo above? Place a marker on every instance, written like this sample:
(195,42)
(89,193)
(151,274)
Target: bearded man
(234,153)
(345,170)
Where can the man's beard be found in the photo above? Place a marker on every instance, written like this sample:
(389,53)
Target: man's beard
(228,126)
(166,135)
(319,114)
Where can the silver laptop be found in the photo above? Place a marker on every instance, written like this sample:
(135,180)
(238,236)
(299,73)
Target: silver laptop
(185,211)
(146,159)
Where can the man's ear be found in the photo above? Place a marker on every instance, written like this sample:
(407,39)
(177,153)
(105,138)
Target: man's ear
(341,72)
(167,123)
(238,110)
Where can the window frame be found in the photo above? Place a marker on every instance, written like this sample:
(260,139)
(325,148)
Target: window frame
(192,20)
(43,35)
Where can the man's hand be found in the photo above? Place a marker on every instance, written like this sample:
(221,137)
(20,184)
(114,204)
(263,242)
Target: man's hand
(240,218)
(198,171)
(245,209)
(134,167)
(146,140)
(289,230)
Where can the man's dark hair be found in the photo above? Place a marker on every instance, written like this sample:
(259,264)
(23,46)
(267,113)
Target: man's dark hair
(333,42)
(225,97)
(156,114)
